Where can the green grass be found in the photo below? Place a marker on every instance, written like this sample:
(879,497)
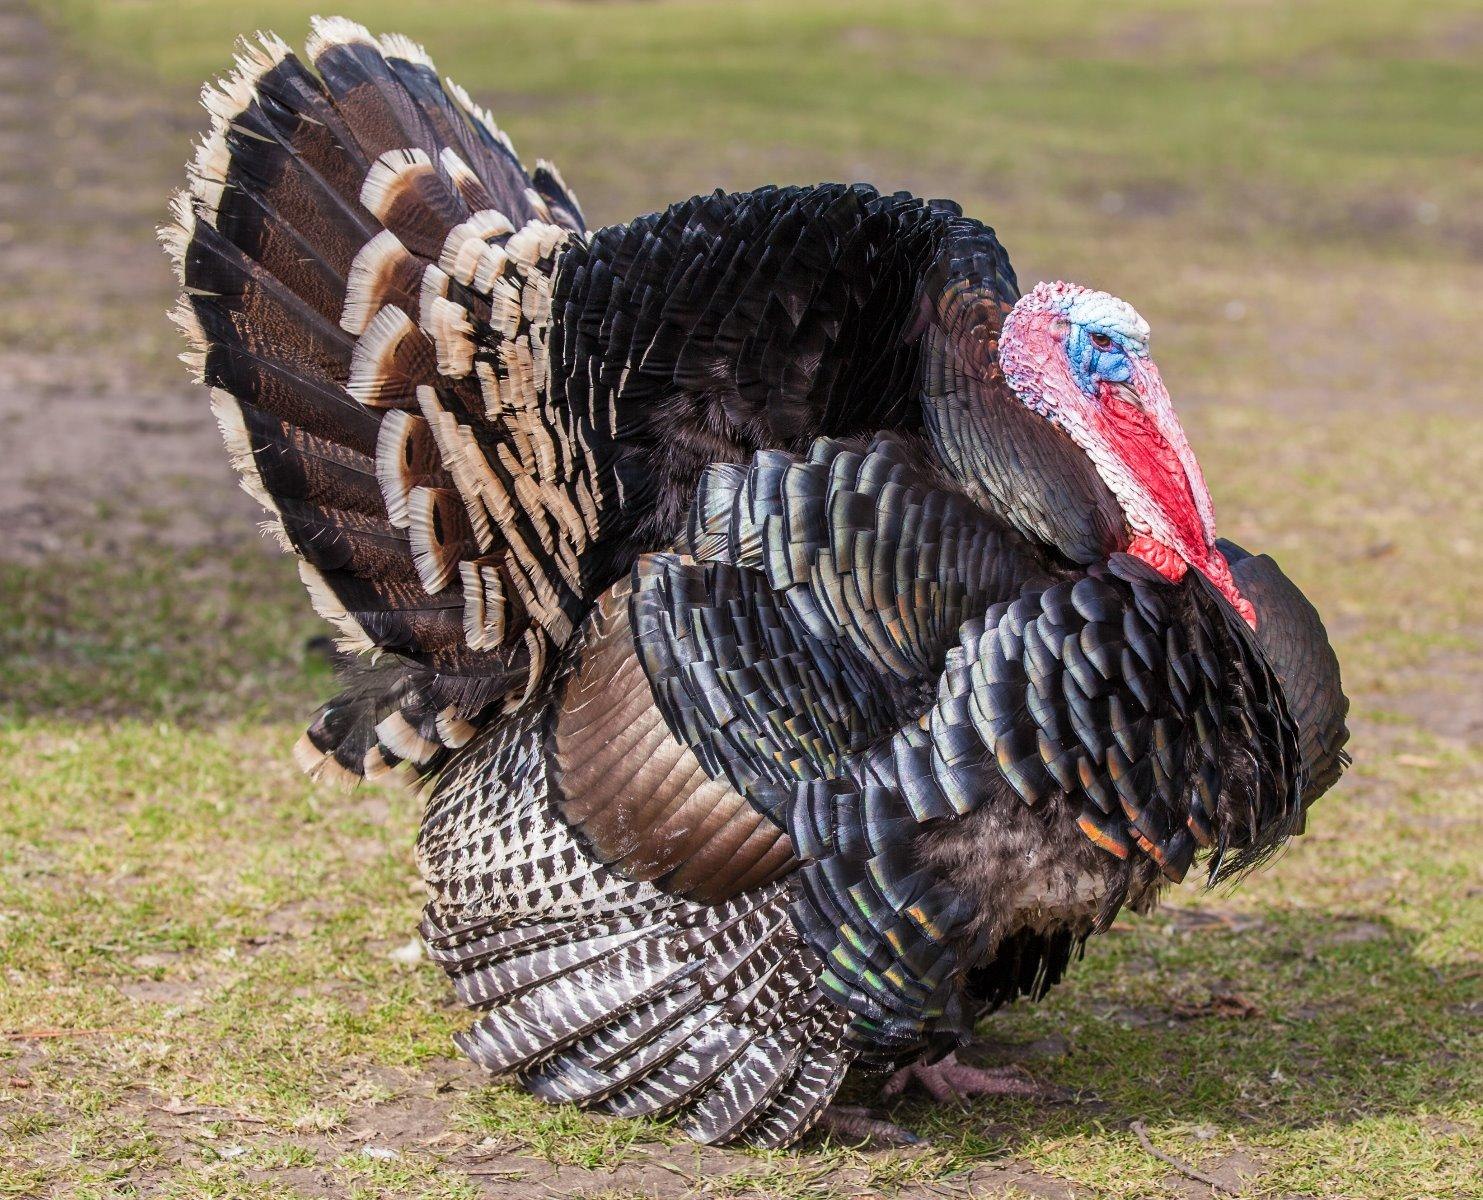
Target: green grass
(1295,119)
(209,927)
(164,635)
(209,944)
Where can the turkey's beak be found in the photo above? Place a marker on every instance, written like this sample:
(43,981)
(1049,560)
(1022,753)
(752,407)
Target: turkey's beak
(1131,394)
(1145,390)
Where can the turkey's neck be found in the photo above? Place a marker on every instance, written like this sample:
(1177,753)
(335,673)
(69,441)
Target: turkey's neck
(1009,460)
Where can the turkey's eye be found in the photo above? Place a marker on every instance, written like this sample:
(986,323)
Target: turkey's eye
(1101,341)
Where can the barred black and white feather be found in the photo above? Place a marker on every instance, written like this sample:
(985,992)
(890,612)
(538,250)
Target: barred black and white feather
(610,992)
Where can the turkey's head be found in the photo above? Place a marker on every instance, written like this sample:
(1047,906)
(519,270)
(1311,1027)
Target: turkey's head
(1080,359)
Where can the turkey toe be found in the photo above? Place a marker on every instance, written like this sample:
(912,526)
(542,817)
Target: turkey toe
(855,1124)
(949,1081)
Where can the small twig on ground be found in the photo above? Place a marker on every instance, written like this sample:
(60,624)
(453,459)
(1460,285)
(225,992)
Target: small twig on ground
(655,1160)
(1140,1130)
(177,1107)
(216,1114)
(25,1035)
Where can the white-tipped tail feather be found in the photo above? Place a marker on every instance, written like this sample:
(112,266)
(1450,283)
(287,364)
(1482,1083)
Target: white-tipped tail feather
(226,100)
(378,379)
(353,638)
(322,767)
(405,742)
(325,33)
(375,278)
(484,603)
(399,45)
(391,176)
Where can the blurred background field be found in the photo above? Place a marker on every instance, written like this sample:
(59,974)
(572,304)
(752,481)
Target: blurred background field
(204,983)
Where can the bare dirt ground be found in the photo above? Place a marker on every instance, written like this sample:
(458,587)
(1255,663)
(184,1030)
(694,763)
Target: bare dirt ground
(101,434)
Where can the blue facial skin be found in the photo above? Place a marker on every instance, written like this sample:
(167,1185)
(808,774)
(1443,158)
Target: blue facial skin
(1091,364)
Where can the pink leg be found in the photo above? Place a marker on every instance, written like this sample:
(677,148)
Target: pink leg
(854,1125)
(949,1081)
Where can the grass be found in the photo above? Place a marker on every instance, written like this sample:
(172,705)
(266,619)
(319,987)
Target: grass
(1352,109)
(203,987)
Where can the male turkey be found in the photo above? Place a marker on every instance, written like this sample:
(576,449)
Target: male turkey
(808,640)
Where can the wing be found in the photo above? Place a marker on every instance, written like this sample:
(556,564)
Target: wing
(819,597)
(1292,636)
(791,661)
(816,604)
(868,543)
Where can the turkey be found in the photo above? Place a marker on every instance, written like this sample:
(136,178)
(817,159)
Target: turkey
(805,640)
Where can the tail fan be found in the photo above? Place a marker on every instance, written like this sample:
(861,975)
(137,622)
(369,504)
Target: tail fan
(382,720)
(367,271)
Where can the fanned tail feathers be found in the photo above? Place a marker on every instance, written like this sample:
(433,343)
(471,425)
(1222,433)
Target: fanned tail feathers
(367,272)
(381,722)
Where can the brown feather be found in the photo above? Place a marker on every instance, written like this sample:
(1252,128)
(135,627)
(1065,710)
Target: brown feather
(408,195)
(441,535)
(639,797)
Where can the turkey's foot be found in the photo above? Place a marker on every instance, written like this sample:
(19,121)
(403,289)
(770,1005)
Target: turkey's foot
(949,1081)
(855,1124)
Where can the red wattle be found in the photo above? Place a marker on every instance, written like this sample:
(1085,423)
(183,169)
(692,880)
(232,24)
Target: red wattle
(1143,449)
(1172,566)
(1158,556)
(1218,571)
